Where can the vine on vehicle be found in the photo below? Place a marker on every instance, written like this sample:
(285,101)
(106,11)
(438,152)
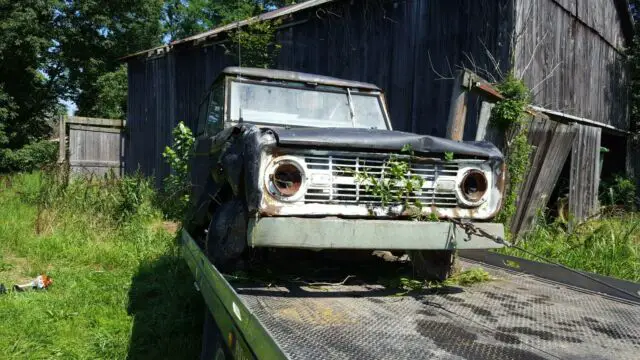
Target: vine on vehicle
(509,116)
(395,184)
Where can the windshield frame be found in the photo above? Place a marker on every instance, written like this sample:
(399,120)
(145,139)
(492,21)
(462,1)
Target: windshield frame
(379,95)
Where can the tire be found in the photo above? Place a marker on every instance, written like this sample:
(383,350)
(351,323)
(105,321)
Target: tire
(433,264)
(213,346)
(227,234)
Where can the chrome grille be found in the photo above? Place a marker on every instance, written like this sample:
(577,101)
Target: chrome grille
(342,187)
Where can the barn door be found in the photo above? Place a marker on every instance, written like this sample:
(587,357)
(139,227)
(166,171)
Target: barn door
(552,143)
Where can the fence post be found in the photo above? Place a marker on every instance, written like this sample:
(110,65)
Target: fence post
(62,136)
(458,108)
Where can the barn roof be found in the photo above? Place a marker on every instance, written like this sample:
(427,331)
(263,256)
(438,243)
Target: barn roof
(195,39)
(622,6)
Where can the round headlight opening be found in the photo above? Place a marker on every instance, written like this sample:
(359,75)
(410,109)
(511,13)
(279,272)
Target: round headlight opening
(474,185)
(287,179)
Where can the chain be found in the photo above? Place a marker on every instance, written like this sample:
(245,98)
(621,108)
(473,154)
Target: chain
(471,229)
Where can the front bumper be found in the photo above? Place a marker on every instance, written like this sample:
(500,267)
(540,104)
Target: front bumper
(337,233)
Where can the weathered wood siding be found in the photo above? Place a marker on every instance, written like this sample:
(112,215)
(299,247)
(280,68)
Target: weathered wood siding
(570,53)
(95,146)
(408,48)
(551,143)
(585,173)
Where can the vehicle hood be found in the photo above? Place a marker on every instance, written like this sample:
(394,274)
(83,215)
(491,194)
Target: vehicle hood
(382,140)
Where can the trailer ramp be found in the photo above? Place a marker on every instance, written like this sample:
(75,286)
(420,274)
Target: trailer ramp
(514,316)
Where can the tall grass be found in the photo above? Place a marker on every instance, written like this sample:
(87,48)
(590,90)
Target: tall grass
(120,288)
(609,246)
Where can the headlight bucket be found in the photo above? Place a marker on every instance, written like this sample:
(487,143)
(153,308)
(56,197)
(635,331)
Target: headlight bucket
(285,178)
(473,187)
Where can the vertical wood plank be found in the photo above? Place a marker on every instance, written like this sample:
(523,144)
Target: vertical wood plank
(62,139)
(458,109)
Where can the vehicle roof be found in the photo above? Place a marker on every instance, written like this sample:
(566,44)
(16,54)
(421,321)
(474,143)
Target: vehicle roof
(297,77)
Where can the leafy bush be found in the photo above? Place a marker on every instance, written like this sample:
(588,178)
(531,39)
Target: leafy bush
(30,157)
(177,186)
(620,191)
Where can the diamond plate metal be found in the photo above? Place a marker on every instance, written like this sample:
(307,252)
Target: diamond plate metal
(515,316)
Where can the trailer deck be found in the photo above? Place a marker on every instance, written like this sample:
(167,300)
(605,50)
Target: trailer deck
(513,316)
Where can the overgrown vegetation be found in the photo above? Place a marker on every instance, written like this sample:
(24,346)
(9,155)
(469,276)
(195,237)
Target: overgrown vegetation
(619,193)
(119,286)
(177,186)
(28,158)
(396,184)
(509,115)
(608,246)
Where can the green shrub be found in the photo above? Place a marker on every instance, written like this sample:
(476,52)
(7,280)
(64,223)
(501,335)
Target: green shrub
(28,158)
(620,191)
(177,186)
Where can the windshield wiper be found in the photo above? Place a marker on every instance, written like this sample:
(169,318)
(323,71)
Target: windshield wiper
(351,109)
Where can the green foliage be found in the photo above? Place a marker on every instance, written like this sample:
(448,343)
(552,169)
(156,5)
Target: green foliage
(27,97)
(115,283)
(30,157)
(111,102)
(113,200)
(620,191)
(396,184)
(512,109)
(608,246)
(92,36)
(254,45)
(177,185)
(509,115)
(448,156)
(468,277)
(186,18)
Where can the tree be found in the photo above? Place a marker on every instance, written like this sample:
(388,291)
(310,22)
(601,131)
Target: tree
(29,74)
(93,35)
(185,18)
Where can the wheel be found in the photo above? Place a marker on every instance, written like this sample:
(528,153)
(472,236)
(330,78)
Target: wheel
(433,264)
(213,345)
(227,234)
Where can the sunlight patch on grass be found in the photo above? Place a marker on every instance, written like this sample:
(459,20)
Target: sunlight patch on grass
(121,289)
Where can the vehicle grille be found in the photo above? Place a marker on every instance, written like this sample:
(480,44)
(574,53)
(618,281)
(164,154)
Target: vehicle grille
(344,189)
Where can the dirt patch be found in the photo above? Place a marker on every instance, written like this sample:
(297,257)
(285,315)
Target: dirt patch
(171,227)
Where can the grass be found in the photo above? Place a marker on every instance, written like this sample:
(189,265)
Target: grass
(120,288)
(608,246)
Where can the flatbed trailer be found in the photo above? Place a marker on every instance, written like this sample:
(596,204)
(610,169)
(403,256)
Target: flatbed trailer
(516,315)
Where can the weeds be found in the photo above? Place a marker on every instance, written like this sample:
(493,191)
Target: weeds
(609,246)
(463,278)
(118,275)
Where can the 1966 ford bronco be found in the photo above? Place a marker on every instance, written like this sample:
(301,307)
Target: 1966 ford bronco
(295,160)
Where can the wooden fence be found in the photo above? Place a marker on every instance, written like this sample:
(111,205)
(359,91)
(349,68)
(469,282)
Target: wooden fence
(93,146)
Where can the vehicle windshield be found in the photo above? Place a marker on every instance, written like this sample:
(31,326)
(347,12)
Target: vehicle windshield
(299,106)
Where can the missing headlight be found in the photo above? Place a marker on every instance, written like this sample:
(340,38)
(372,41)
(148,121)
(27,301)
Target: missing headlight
(473,186)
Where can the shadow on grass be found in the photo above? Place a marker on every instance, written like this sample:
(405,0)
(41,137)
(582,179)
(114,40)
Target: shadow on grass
(167,311)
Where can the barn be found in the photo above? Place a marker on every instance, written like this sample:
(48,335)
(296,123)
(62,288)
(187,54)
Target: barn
(569,52)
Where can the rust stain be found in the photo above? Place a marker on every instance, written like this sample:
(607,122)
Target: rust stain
(316,313)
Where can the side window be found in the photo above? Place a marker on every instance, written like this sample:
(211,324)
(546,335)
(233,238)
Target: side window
(215,109)
(202,115)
